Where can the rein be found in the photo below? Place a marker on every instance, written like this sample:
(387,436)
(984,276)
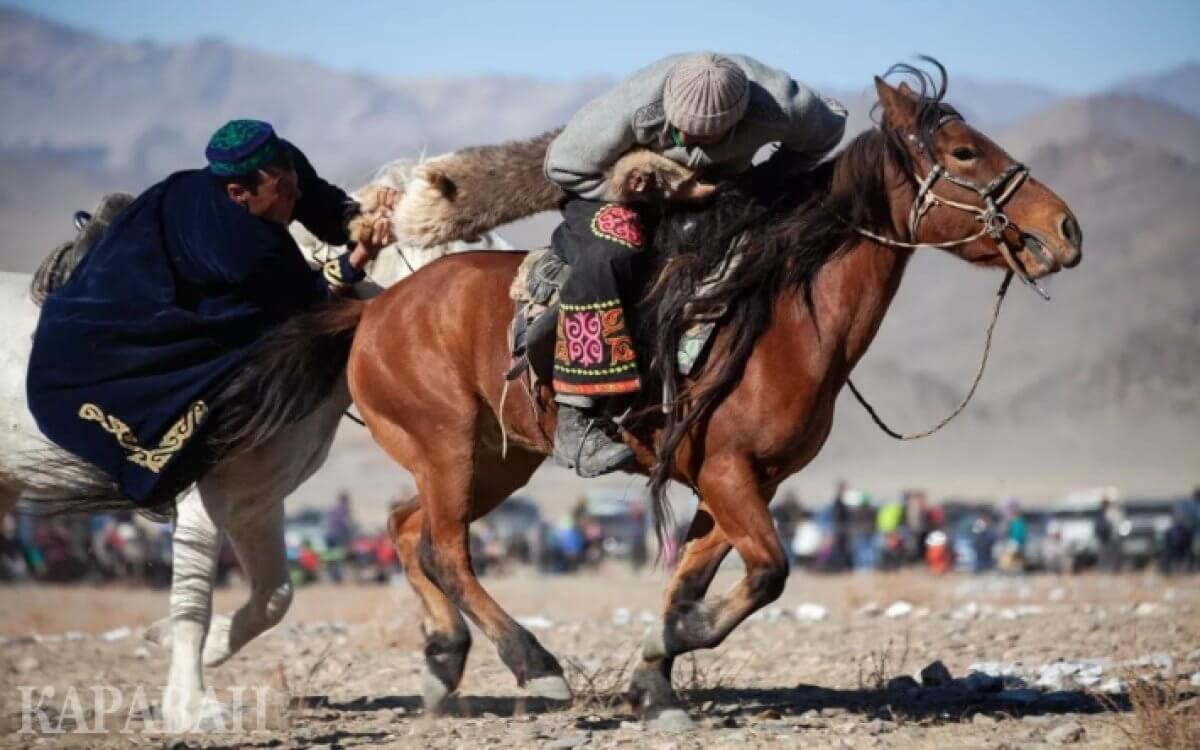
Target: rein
(994,223)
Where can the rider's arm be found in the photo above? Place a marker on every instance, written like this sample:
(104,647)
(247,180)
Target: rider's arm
(326,210)
(594,138)
(816,123)
(323,209)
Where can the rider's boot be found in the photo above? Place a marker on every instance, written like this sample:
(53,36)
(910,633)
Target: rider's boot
(587,440)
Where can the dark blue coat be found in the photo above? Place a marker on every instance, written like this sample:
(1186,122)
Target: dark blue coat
(160,313)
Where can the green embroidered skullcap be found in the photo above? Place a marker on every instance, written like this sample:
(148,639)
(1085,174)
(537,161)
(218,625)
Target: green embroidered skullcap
(241,147)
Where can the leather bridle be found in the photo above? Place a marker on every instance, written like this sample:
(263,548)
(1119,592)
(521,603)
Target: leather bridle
(993,221)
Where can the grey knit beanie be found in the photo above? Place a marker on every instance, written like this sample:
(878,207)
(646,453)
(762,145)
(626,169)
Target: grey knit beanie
(706,94)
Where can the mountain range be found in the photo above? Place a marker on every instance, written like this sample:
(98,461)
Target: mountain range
(1099,386)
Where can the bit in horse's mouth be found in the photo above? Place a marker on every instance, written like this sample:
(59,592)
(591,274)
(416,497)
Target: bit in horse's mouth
(1035,246)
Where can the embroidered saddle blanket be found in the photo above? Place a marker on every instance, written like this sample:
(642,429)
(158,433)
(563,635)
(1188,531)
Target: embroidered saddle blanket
(535,290)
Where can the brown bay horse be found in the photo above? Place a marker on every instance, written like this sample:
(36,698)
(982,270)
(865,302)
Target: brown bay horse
(427,372)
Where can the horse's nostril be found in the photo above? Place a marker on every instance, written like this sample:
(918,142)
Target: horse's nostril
(1069,229)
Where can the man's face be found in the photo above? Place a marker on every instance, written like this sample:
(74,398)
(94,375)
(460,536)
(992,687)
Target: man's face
(701,140)
(276,196)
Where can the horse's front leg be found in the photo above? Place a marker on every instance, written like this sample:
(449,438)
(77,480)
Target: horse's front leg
(738,510)
(197,543)
(704,548)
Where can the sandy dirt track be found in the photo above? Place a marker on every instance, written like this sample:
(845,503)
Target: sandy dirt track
(343,670)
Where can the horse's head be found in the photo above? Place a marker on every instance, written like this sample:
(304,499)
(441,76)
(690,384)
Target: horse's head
(971,197)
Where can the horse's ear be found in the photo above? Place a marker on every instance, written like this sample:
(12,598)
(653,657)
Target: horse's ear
(905,89)
(899,108)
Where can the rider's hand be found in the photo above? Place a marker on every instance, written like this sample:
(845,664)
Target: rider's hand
(373,233)
(694,191)
(379,200)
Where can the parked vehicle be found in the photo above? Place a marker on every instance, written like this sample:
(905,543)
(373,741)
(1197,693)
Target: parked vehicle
(612,509)
(519,529)
(1141,534)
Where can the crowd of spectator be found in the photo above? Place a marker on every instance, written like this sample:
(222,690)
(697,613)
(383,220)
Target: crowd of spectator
(853,531)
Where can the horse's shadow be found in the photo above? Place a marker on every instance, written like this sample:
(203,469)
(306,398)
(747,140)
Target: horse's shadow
(920,704)
(942,704)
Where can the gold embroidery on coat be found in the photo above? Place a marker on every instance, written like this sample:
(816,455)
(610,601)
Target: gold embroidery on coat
(152,459)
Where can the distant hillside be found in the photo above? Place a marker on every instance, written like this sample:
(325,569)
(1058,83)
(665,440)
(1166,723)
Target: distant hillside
(1179,87)
(1112,117)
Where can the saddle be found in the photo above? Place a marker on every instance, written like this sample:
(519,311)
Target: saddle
(535,292)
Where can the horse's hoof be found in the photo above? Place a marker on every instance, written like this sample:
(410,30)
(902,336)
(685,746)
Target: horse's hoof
(671,720)
(654,645)
(435,692)
(216,645)
(551,687)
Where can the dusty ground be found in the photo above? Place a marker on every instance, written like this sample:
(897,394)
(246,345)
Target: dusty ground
(343,670)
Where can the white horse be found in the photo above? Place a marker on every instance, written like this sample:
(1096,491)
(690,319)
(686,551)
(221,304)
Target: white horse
(242,496)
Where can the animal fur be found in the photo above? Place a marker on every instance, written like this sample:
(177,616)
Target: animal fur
(466,193)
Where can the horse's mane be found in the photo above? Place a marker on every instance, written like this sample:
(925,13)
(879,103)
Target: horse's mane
(786,224)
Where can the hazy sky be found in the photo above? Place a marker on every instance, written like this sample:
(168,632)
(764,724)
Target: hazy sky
(1069,45)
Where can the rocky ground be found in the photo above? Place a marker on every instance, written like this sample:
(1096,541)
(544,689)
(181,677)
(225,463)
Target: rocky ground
(887,660)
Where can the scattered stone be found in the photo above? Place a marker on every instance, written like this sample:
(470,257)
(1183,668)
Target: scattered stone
(968,611)
(117,634)
(1057,594)
(870,609)
(1065,734)
(1195,681)
(1146,609)
(1112,686)
(632,726)
(1194,656)
(568,741)
(898,609)
(831,712)
(141,652)
(707,706)
(878,726)
(621,616)
(768,714)
(535,622)
(983,720)
(935,674)
(25,665)
(811,612)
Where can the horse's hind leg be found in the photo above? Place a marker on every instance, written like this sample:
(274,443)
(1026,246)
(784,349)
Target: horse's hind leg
(447,638)
(739,509)
(705,547)
(258,539)
(452,494)
(196,542)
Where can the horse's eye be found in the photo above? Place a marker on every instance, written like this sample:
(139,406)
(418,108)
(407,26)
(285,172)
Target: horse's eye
(962,153)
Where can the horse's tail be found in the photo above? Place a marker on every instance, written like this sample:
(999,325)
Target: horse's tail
(287,377)
(54,482)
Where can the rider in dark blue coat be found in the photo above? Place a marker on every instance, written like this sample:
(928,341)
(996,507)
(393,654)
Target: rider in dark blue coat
(129,353)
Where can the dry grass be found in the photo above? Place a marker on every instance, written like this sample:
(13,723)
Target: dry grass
(602,686)
(693,676)
(880,665)
(1162,714)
